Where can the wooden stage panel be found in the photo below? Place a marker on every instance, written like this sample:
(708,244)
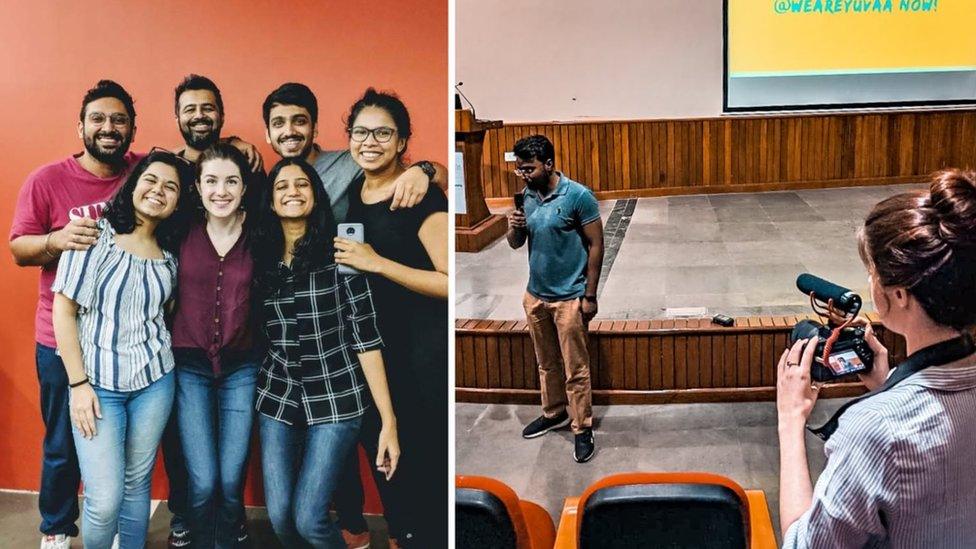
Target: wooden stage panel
(648,361)
(631,158)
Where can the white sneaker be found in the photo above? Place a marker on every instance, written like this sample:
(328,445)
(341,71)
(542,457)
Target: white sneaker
(115,542)
(59,541)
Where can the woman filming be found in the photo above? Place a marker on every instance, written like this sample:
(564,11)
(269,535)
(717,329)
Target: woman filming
(899,467)
(323,340)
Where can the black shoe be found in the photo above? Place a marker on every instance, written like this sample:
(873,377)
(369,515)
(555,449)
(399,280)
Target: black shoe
(585,446)
(542,425)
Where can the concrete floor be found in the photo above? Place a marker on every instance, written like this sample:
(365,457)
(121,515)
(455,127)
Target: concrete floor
(19,520)
(737,254)
(738,440)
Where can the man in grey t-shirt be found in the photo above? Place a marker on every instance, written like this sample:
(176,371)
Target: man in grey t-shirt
(291,118)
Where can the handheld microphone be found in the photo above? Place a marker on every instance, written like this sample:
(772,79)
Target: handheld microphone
(823,291)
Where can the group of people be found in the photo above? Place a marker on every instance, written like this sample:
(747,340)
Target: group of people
(185,293)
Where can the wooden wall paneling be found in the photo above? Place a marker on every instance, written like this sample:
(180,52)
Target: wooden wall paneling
(667,357)
(643,363)
(630,354)
(693,354)
(505,356)
(656,361)
(755,365)
(680,356)
(493,361)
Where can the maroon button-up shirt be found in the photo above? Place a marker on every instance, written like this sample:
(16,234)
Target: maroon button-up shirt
(214,303)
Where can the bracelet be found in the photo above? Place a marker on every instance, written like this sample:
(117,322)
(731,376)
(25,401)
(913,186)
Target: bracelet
(47,242)
(79,384)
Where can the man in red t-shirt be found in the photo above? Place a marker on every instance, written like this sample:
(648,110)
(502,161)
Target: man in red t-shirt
(56,211)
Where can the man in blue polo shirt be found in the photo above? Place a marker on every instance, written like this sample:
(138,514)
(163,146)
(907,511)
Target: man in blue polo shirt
(561,222)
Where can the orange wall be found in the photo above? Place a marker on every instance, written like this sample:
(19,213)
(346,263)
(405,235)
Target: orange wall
(54,51)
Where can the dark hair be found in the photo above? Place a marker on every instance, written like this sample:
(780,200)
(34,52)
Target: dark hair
(292,93)
(254,182)
(390,103)
(197,82)
(121,213)
(535,146)
(108,88)
(313,250)
(925,241)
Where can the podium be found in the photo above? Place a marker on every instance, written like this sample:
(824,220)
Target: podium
(476,227)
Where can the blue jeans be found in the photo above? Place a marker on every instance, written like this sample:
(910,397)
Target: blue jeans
(215,417)
(301,469)
(60,477)
(117,463)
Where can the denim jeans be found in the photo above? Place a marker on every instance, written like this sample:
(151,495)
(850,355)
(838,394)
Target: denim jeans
(117,463)
(215,416)
(60,477)
(301,466)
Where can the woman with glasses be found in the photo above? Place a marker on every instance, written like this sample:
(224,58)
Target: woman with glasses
(108,321)
(405,256)
(323,341)
(217,356)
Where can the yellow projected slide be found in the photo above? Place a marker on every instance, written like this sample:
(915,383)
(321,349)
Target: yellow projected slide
(797,37)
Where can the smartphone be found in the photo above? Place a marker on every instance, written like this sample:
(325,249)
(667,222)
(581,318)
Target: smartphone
(350,231)
(520,200)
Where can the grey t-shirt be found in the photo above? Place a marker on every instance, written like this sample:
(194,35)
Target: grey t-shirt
(338,170)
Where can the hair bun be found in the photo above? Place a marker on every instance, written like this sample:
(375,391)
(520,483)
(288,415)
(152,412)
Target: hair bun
(952,196)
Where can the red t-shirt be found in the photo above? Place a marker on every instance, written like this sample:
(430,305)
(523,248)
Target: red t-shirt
(52,196)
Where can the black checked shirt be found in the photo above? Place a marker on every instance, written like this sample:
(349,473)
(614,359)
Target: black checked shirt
(316,324)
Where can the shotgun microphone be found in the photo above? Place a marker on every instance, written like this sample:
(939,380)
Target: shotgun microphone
(823,291)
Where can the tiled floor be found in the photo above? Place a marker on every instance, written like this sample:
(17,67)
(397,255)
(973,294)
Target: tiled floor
(737,254)
(19,519)
(738,440)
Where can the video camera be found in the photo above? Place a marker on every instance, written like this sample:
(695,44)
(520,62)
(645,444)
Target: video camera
(841,348)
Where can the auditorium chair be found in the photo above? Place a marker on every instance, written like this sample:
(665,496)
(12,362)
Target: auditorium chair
(489,515)
(675,510)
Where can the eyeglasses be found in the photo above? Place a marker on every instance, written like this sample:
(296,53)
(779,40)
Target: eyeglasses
(381,134)
(179,157)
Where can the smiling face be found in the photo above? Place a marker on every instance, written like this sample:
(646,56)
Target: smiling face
(156,192)
(221,187)
(374,125)
(292,196)
(290,132)
(199,119)
(106,130)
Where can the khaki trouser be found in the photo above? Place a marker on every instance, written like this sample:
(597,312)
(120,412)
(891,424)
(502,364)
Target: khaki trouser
(559,337)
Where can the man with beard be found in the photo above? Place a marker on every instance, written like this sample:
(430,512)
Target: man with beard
(56,211)
(291,118)
(561,221)
(200,117)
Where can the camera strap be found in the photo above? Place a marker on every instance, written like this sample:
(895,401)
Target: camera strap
(934,355)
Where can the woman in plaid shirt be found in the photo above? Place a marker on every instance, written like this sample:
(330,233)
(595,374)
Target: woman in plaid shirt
(322,343)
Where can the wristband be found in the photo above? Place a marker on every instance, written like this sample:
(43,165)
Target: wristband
(428,168)
(590,298)
(79,384)
(47,242)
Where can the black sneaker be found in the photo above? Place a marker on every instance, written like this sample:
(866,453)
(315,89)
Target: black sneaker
(585,446)
(242,536)
(542,425)
(178,537)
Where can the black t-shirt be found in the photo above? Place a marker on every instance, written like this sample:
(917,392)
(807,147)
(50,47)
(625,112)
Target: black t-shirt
(414,327)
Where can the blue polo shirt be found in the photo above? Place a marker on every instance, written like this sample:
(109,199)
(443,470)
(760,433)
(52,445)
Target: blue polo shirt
(557,255)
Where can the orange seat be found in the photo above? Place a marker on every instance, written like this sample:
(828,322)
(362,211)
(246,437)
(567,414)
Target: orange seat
(666,510)
(489,515)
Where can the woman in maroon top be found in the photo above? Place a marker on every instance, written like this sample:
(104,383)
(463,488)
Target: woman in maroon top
(216,356)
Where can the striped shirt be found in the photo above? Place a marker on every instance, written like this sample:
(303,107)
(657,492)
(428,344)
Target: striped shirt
(124,341)
(900,470)
(316,324)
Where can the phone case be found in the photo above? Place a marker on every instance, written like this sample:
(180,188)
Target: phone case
(350,231)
